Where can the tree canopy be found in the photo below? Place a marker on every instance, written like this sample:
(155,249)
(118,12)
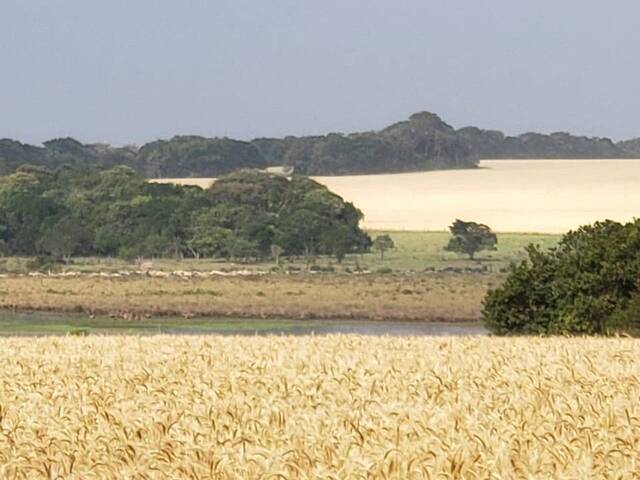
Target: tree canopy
(470,238)
(589,283)
(84,211)
(382,243)
(423,142)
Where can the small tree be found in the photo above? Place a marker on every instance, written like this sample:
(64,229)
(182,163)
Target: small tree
(468,238)
(382,243)
(276,252)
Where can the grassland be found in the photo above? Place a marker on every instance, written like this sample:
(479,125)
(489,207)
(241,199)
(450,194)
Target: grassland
(427,284)
(415,251)
(342,407)
(440,297)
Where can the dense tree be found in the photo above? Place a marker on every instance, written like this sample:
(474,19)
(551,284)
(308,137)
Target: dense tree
(423,142)
(587,284)
(189,156)
(72,211)
(470,238)
(65,238)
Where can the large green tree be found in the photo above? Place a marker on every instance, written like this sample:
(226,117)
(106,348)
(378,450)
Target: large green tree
(469,238)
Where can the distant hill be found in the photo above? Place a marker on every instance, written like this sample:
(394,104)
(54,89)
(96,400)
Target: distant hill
(423,142)
(493,144)
(183,156)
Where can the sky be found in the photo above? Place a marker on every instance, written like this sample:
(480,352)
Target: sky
(131,71)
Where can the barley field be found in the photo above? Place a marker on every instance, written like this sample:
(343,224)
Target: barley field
(342,407)
(545,196)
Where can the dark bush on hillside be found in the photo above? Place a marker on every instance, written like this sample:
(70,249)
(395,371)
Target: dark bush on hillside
(587,284)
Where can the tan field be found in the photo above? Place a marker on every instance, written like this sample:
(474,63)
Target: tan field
(440,297)
(343,407)
(550,196)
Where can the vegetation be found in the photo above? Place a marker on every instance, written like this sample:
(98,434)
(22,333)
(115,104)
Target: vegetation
(193,156)
(469,238)
(413,252)
(71,212)
(422,282)
(318,407)
(137,297)
(183,156)
(423,142)
(588,283)
(382,243)
(492,144)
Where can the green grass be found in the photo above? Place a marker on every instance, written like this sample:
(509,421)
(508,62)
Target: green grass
(419,250)
(46,323)
(415,251)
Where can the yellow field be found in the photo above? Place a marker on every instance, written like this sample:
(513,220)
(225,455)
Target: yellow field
(550,196)
(319,407)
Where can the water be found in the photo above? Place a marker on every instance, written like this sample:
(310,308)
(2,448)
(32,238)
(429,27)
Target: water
(378,328)
(48,323)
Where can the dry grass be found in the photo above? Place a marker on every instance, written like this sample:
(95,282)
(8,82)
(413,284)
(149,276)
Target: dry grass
(420,297)
(510,195)
(343,407)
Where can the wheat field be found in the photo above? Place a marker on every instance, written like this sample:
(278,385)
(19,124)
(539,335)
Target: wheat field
(546,196)
(341,407)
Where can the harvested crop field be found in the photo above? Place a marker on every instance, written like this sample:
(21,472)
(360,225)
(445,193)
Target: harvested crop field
(550,196)
(319,407)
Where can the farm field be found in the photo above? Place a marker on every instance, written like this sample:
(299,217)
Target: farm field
(319,407)
(550,196)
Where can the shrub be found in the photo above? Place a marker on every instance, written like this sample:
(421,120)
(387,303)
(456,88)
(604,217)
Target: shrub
(384,270)
(587,284)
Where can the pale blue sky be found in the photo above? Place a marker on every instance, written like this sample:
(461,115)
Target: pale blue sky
(130,71)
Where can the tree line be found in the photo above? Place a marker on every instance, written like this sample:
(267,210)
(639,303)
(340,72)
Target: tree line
(423,142)
(248,214)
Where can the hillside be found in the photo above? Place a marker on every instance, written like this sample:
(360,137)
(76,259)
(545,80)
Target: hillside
(423,142)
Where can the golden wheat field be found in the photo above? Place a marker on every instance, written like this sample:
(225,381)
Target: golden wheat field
(342,407)
(550,196)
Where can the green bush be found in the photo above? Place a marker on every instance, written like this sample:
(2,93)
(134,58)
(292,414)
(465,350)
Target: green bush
(587,284)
